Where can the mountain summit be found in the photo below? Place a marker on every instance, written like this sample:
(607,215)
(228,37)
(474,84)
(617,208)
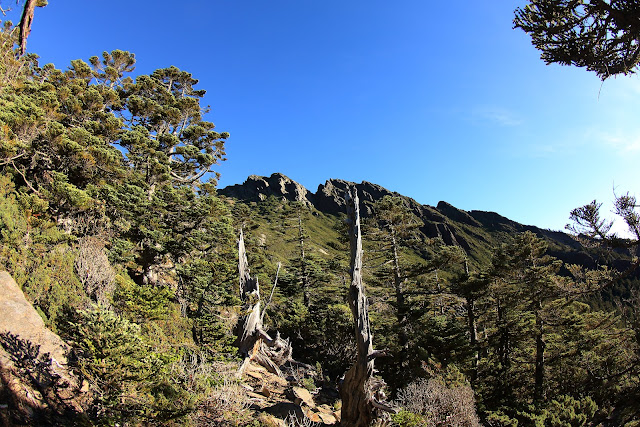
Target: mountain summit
(475,231)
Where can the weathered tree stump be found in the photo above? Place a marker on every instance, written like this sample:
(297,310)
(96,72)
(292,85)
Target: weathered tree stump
(360,393)
(253,342)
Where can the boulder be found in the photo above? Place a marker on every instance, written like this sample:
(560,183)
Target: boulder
(19,318)
(37,385)
(301,395)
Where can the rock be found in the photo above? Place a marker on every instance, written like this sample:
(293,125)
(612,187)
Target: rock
(265,391)
(21,319)
(254,374)
(325,409)
(268,420)
(274,379)
(39,387)
(301,395)
(283,409)
(259,188)
(456,214)
(312,416)
(330,197)
(255,395)
(327,418)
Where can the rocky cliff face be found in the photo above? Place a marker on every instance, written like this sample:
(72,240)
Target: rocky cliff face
(474,231)
(329,199)
(36,385)
(259,188)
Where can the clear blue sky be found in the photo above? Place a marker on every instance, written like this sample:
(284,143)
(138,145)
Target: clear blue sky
(435,100)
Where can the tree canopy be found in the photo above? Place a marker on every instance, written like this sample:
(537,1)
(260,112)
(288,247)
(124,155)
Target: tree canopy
(601,35)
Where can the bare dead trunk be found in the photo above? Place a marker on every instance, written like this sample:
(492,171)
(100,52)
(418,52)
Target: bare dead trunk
(473,337)
(358,390)
(253,342)
(25,24)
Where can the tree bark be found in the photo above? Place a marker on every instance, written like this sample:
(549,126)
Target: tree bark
(253,342)
(473,337)
(357,394)
(25,24)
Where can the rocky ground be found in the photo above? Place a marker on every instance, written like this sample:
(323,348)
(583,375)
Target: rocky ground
(280,400)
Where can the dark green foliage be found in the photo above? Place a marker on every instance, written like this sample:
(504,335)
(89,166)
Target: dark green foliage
(599,35)
(132,377)
(37,253)
(541,351)
(91,155)
(139,303)
(565,411)
(406,283)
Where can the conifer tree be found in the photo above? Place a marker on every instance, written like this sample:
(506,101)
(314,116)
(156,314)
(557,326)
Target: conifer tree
(601,35)
(395,232)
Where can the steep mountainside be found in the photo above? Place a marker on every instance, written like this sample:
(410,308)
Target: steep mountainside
(475,231)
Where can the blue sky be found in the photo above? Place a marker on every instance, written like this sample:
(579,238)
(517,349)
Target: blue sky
(434,100)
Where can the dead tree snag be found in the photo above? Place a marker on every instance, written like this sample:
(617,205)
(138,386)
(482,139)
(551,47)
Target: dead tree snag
(253,342)
(25,24)
(360,392)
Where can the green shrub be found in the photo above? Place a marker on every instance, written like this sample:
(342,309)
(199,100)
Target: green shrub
(408,419)
(130,375)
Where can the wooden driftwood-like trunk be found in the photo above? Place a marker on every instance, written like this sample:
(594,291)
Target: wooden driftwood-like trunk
(253,342)
(360,392)
(25,24)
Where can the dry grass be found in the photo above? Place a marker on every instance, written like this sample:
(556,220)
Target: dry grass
(94,270)
(439,404)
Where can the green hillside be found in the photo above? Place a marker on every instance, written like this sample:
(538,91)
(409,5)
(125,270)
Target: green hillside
(113,229)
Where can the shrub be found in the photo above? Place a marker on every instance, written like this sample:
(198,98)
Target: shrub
(132,378)
(94,270)
(405,418)
(439,404)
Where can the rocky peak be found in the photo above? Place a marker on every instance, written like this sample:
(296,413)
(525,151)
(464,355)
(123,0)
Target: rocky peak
(456,214)
(258,188)
(330,197)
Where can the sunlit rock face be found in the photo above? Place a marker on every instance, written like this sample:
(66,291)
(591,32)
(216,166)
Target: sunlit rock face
(258,188)
(454,226)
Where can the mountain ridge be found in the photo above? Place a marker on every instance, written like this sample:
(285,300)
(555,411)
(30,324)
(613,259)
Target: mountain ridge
(476,231)
(258,188)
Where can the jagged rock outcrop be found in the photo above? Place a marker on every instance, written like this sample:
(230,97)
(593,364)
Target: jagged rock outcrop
(495,222)
(283,399)
(330,197)
(258,188)
(37,387)
(456,214)
(446,233)
(454,226)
